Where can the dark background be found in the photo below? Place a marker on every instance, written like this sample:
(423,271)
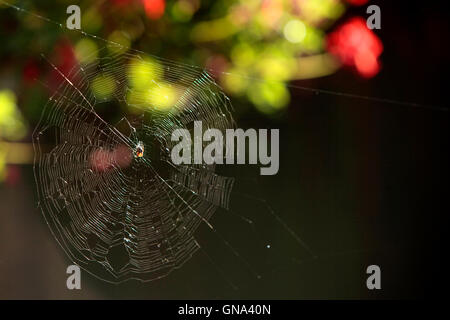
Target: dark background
(362,182)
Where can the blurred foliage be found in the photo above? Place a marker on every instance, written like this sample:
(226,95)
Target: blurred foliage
(254,48)
(12,126)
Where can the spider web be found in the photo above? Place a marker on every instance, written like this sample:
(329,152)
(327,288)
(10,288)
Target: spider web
(117,215)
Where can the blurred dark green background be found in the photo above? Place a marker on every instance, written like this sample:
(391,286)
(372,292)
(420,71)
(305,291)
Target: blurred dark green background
(360,180)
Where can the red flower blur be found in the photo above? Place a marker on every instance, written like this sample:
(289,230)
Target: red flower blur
(30,72)
(357,2)
(64,60)
(356,45)
(13,175)
(154,9)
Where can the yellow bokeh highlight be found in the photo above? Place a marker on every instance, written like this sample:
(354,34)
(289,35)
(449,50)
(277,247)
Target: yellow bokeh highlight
(2,165)
(275,64)
(12,126)
(157,97)
(7,104)
(213,30)
(162,96)
(269,97)
(182,10)
(235,81)
(243,54)
(103,86)
(144,73)
(86,51)
(120,42)
(273,68)
(316,66)
(317,10)
(294,31)
(314,40)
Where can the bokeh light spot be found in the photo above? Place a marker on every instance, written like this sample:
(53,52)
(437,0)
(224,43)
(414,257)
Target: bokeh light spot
(121,42)
(294,31)
(162,96)
(12,126)
(86,51)
(103,86)
(269,97)
(143,73)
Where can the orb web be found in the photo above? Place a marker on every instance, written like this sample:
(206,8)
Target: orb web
(107,187)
